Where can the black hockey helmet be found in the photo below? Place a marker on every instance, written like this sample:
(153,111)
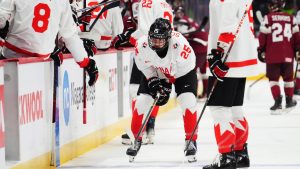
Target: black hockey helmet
(276,5)
(160,30)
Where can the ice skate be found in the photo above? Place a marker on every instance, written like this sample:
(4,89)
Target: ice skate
(276,109)
(242,157)
(297,94)
(133,150)
(290,104)
(150,133)
(191,151)
(223,161)
(125,139)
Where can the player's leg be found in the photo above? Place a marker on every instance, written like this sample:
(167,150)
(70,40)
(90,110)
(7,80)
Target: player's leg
(142,106)
(287,75)
(220,104)
(241,127)
(186,89)
(273,73)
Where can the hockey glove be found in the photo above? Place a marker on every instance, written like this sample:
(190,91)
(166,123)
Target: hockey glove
(166,89)
(92,71)
(154,85)
(57,56)
(90,47)
(261,55)
(217,68)
(122,39)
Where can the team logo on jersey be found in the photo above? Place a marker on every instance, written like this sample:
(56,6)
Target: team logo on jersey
(175,46)
(144,44)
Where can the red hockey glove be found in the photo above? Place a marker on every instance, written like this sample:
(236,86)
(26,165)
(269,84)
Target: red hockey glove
(92,71)
(119,40)
(261,55)
(216,66)
(57,56)
(90,47)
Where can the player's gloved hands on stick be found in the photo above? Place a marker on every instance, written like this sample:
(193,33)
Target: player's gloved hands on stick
(90,47)
(261,55)
(154,85)
(57,56)
(166,89)
(162,87)
(92,71)
(216,65)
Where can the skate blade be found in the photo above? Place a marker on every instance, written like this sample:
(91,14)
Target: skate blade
(287,110)
(191,158)
(277,112)
(131,158)
(126,142)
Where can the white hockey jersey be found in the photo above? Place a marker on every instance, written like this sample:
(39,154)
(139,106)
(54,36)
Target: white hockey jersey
(34,25)
(148,11)
(109,25)
(180,58)
(225,16)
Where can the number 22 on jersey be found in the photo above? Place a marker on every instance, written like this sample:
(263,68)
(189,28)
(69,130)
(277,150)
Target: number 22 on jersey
(41,17)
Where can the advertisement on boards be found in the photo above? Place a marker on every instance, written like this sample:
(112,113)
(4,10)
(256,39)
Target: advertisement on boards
(35,112)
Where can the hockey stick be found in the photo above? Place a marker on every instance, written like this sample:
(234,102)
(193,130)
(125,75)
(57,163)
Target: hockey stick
(144,124)
(202,25)
(216,81)
(91,8)
(110,5)
(54,161)
(252,84)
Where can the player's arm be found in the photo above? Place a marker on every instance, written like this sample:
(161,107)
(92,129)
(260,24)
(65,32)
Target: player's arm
(265,31)
(117,21)
(142,63)
(69,33)
(6,10)
(228,23)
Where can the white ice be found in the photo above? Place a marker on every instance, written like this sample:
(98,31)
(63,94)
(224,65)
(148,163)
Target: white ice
(274,140)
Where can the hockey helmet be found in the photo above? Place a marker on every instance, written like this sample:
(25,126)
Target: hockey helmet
(276,5)
(159,34)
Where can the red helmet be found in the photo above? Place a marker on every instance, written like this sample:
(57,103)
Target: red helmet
(276,5)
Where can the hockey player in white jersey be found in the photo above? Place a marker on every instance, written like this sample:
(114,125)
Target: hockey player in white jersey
(226,101)
(109,25)
(148,11)
(33,30)
(165,58)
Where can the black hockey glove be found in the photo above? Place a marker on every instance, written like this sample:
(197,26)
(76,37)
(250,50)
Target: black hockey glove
(90,47)
(122,39)
(166,89)
(57,56)
(261,55)
(155,86)
(217,68)
(92,71)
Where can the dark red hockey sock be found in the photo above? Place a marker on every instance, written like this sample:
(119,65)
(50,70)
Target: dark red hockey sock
(275,91)
(226,139)
(241,134)
(154,112)
(289,88)
(190,120)
(136,123)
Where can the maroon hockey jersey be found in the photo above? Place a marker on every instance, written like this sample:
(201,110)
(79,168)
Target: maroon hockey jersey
(277,35)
